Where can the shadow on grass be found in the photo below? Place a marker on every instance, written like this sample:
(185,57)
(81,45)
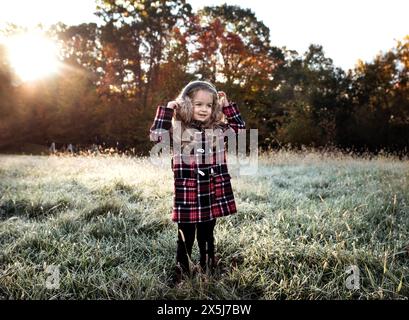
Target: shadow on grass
(31,210)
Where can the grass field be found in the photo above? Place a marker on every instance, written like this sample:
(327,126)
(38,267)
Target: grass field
(104,222)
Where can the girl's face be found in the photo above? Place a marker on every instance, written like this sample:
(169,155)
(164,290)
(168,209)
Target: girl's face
(202,105)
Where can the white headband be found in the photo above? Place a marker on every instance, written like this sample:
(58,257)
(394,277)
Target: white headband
(193,84)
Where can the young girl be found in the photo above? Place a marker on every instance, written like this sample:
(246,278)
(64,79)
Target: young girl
(202,187)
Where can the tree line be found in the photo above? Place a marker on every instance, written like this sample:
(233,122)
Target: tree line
(141,54)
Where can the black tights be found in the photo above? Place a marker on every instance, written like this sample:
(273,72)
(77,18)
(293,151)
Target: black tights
(205,242)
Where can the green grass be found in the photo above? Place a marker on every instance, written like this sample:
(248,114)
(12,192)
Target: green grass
(303,219)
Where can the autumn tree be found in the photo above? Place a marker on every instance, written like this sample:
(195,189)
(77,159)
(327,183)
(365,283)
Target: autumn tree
(231,46)
(380,98)
(310,98)
(134,36)
(7,110)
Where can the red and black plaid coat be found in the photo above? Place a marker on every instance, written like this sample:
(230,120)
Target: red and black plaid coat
(202,186)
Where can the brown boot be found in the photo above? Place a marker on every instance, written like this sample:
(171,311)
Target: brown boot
(202,263)
(178,275)
(212,264)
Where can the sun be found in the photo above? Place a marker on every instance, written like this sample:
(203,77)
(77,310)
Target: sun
(32,56)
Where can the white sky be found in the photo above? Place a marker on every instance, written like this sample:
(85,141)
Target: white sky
(347,29)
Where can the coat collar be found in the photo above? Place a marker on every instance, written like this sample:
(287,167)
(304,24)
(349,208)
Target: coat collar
(199,125)
(196,124)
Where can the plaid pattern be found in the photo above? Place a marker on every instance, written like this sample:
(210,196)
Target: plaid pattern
(202,184)
(161,124)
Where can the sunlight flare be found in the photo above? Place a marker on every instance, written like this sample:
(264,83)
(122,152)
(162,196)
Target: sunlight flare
(32,56)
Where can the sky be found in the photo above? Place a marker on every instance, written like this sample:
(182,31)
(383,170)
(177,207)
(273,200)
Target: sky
(348,30)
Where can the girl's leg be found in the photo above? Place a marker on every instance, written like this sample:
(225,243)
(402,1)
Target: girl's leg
(185,244)
(205,240)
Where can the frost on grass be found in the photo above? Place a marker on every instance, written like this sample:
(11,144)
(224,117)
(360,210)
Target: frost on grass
(302,220)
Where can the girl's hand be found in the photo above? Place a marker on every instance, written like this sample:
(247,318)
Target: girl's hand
(172,105)
(223,99)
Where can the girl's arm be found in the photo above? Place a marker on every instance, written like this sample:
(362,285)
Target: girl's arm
(162,123)
(232,113)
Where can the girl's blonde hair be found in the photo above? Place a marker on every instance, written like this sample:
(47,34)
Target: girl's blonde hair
(184,113)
